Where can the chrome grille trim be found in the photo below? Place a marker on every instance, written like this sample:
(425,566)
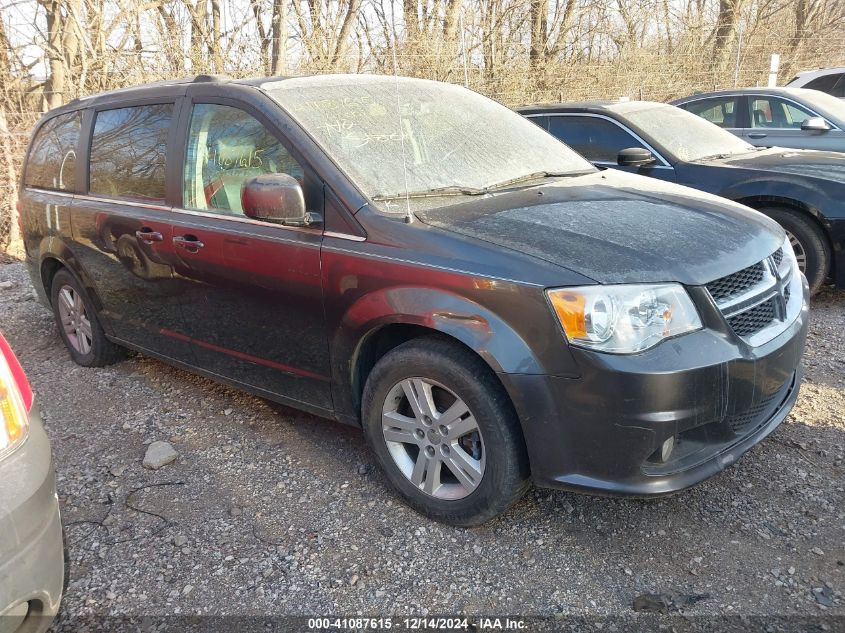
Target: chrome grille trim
(760,301)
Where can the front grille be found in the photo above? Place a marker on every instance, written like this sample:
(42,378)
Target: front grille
(753,320)
(737,283)
(756,298)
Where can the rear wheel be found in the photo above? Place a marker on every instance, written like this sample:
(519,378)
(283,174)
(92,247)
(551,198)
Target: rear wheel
(79,326)
(808,242)
(445,432)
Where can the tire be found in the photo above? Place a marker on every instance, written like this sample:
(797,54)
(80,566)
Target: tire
(498,465)
(88,345)
(805,235)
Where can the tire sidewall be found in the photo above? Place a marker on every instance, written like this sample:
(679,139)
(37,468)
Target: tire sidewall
(811,240)
(504,464)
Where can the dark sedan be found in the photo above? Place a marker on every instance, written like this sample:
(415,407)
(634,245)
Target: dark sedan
(803,190)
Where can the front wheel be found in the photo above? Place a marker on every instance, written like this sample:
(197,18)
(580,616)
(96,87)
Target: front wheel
(445,432)
(808,242)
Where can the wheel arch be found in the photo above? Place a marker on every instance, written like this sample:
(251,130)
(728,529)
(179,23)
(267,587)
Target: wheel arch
(55,255)
(50,265)
(360,343)
(791,204)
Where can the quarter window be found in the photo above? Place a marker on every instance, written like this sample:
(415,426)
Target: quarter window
(52,158)
(227,146)
(832,84)
(595,139)
(128,152)
(771,112)
(721,110)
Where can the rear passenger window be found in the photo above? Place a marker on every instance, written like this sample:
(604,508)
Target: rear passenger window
(128,152)
(52,158)
(226,147)
(595,139)
(719,110)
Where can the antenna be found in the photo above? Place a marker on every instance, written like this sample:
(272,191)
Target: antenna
(409,217)
(464,49)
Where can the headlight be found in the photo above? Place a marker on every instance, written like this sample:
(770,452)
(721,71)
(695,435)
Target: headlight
(788,262)
(623,319)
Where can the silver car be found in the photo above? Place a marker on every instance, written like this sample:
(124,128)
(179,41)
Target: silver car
(32,564)
(775,117)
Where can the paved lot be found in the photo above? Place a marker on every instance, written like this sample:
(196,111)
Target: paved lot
(280,512)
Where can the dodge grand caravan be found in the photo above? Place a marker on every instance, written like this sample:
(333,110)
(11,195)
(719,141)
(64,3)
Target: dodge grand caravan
(416,259)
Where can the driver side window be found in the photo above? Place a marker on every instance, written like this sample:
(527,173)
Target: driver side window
(597,140)
(771,112)
(227,146)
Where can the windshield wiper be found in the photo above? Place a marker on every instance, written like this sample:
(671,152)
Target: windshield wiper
(449,190)
(535,176)
(457,190)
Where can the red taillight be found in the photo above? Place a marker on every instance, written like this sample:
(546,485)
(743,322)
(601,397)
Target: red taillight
(17,373)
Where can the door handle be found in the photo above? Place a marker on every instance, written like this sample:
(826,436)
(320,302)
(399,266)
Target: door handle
(757,135)
(148,236)
(189,242)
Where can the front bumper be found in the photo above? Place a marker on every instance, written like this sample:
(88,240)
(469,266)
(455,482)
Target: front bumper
(31,545)
(602,432)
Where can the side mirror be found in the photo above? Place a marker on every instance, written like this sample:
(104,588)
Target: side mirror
(815,124)
(635,157)
(276,198)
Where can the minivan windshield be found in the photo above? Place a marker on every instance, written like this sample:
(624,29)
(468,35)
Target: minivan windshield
(683,134)
(396,136)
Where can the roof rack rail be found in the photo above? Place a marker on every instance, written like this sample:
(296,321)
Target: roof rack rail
(199,79)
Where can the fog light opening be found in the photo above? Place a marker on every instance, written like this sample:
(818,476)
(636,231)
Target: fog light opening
(666,449)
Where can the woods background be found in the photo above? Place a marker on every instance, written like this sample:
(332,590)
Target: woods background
(516,51)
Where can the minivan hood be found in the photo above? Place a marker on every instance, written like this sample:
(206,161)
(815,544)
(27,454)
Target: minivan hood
(802,162)
(615,227)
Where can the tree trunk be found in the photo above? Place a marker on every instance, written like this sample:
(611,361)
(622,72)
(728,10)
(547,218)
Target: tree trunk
(450,20)
(198,13)
(724,37)
(539,24)
(215,42)
(279,35)
(11,241)
(54,86)
(342,43)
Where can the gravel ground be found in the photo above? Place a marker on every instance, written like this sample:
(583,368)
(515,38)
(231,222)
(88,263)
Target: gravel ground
(269,511)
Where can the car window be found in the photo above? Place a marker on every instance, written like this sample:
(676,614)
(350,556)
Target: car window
(719,110)
(839,87)
(540,121)
(595,139)
(833,84)
(52,158)
(227,146)
(128,152)
(772,112)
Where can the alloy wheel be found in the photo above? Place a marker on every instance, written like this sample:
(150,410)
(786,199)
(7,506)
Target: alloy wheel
(75,321)
(800,253)
(433,438)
